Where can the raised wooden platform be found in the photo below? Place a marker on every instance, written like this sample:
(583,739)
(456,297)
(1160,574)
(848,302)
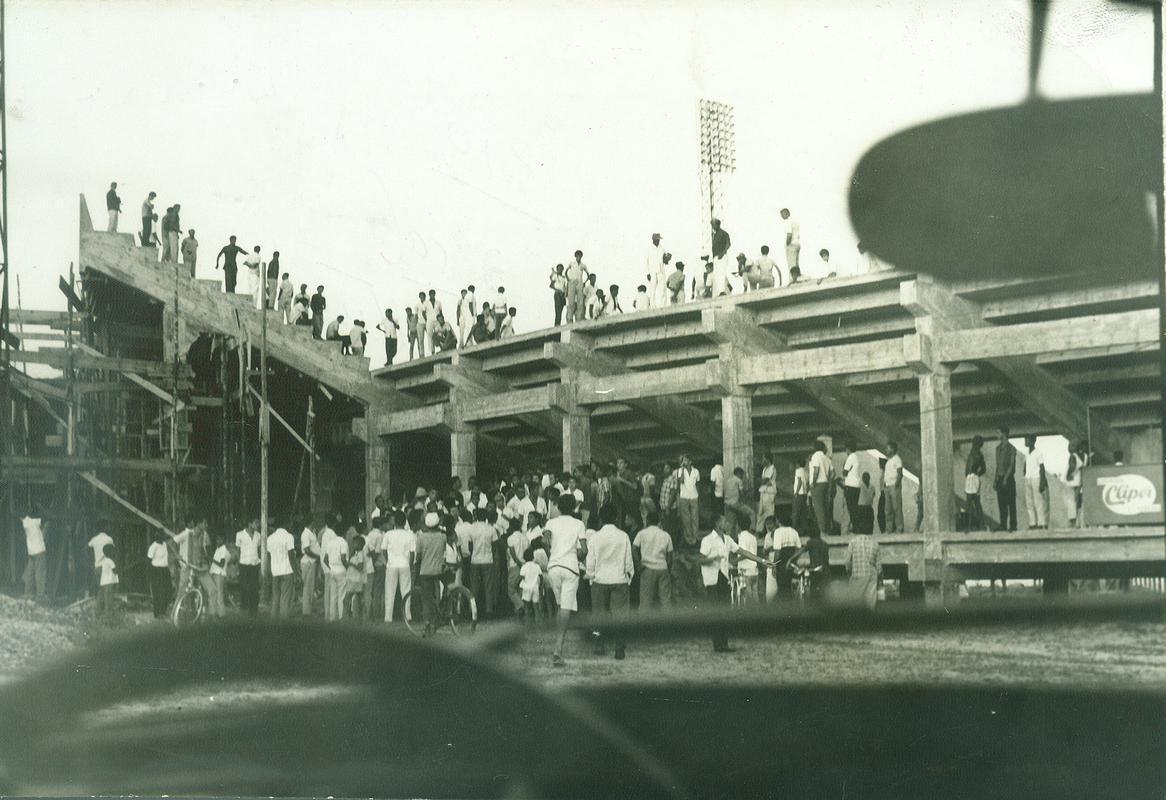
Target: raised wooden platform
(1077,552)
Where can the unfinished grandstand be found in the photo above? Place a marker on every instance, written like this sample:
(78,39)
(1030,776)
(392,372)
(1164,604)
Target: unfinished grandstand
(156,412)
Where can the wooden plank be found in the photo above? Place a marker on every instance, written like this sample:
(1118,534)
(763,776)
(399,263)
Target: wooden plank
(61,462)
(104,488)
(29,316)
(59,358)
(284,422)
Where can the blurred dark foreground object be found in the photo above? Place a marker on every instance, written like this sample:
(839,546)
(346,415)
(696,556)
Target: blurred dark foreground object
(428,721)
(1043,188)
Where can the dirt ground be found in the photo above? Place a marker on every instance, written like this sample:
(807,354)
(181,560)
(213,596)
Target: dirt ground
(1093,654)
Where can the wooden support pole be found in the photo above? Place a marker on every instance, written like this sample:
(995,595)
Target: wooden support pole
(937,450)
(576,438)
(737,433)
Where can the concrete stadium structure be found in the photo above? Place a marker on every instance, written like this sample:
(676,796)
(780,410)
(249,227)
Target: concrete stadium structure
(870,358)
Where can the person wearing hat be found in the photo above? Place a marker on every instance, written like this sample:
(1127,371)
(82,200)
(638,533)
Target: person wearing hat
(190,251)
(429,566)
(654,269)
(721,244)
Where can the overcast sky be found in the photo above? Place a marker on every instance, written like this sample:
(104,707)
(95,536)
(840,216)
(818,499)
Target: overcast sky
(385,148)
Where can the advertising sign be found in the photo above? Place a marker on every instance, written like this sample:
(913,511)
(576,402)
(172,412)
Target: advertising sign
(1128,495)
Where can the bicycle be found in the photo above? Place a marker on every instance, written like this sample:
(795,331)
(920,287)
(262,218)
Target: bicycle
(191,601)
(803,580)
(456,607)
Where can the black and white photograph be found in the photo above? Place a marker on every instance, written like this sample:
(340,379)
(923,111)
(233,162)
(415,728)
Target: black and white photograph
(623,399)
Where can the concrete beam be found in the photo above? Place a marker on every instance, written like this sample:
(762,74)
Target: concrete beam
(670,412)
(961,334)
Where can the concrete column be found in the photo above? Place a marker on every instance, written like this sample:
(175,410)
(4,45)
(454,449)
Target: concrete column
(576,439)
(937,450)
(737,433)
(376,470)
(463,453)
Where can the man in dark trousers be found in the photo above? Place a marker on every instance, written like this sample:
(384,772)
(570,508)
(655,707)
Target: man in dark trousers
(1005,482)
(229,257)
(113,205)
(318,304)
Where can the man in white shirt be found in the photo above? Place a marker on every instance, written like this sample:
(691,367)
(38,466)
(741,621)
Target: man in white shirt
(565,537)
(1036,485)
(516,544)
(654,270)
(576,273)
(400,548)
(483,573)
(793,245)
(280,546)
(161,592)
(851,482)
(781,544)
(1078,460)
(715,549)
(326,535)
(688,501)
(309,564)
(610,569)
(821,476)
(466,314)
(717,476)
(97,545)
(519,506)
(248,543)
(35,568)
(652,550)
(747,569)
(893,489)
(254,266)
(335,561)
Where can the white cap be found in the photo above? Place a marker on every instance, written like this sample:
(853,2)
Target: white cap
(432,520)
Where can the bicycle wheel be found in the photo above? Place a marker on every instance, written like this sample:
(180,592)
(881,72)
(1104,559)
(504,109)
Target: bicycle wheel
(414,613)
(187,608)
(463,610)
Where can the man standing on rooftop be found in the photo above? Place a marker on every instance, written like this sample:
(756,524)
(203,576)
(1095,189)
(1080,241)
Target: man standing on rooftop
(190,252)
(1005,483)
(793,244)
(228,256)
(317,304)
(576,274)
(254,266)
(148,220)
(113,205)
(721,244)
(655,270)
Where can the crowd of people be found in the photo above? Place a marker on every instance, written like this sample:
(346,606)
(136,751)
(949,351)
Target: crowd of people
(536,546)
(577,293)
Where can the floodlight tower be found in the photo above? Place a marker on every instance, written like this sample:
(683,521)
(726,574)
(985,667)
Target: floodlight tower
(718,158)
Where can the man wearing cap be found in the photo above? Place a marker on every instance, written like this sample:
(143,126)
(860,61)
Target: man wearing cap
(429,565)
(654,269)
(190,251)
(721,245)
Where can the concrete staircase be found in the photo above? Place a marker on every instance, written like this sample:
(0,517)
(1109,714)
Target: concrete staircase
(203,306)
